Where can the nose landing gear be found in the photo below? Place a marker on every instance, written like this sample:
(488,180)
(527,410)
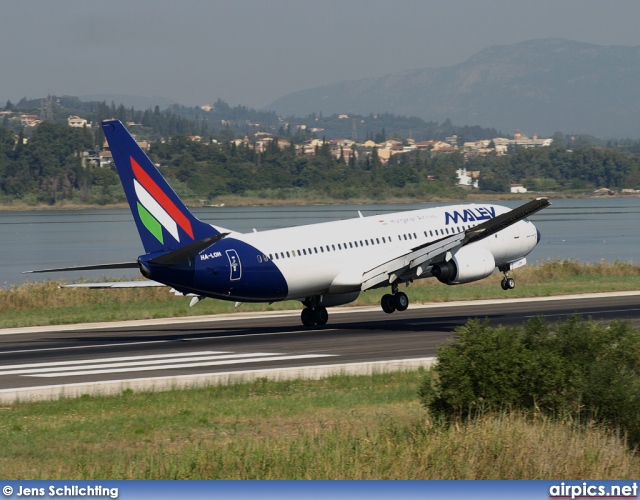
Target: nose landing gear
(507,283)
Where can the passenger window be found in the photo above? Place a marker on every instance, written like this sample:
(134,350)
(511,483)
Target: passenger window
(304,251)
(288,254)
(259,258)
(316,249)
(378,241)
(271,257)
(333,247)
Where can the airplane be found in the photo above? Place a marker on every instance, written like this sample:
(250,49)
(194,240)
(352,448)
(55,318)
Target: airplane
(321,265)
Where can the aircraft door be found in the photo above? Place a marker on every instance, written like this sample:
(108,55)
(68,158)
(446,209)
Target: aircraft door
(235,266)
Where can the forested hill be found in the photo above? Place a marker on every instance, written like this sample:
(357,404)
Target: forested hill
(50,169)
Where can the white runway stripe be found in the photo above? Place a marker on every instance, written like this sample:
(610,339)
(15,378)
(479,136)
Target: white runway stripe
(238,360)
(109,360)
(151,364)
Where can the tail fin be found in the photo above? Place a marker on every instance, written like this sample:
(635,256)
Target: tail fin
(163,221)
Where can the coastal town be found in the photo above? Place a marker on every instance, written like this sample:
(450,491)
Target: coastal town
(344,148)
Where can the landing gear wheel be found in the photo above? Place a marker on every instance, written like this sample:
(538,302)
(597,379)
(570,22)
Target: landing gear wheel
(321,316)
(307,317)
(388,303)
(401,301)
(508,283)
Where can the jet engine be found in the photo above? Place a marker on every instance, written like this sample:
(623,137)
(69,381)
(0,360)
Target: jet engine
(468,264)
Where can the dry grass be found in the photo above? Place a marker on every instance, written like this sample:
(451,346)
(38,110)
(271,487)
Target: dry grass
(337,428)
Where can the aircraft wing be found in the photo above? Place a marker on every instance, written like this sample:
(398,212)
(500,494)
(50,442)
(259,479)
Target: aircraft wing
(500,222)
(418,259)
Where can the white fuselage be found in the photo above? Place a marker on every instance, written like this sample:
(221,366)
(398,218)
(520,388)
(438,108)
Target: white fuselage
(313,258)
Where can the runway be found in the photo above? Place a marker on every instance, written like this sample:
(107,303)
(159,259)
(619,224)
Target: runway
(43,362)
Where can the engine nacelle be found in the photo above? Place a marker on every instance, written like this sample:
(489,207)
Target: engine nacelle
(468,264)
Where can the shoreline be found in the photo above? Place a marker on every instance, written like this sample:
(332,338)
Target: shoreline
(238,201)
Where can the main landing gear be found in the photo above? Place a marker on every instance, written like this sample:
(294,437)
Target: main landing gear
(396,301)
(314,315)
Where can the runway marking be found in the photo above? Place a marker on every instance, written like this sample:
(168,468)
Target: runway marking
(125,344)
(92,346)
(183,365)
(146,363)
(109,360)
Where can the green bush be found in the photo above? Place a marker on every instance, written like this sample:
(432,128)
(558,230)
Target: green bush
(579,369)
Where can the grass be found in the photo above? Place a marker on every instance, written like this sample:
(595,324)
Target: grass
(336,428)
(44,303)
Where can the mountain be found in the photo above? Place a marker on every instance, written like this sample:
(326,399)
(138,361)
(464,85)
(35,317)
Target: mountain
(540,86)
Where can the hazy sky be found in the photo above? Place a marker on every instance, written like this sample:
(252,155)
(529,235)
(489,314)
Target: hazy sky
(251,52)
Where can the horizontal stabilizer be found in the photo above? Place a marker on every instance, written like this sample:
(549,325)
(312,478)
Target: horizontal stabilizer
(503,221)
(97,267)
(184,253)
(116,284)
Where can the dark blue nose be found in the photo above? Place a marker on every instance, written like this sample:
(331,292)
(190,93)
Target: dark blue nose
(539,236)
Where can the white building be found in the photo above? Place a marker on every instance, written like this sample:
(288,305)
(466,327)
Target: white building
(77,122)
(467,179)
(518,188)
